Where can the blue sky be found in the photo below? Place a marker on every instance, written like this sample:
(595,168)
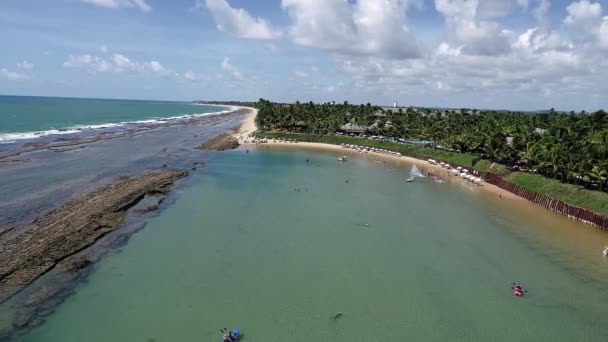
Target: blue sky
(512,54)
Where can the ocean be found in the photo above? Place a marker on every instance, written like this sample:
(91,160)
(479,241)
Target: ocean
(277,242)
(27,117)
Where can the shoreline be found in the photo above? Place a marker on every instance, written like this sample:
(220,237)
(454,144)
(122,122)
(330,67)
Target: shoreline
(32,136)
(248,128)
(444,173)
(77,232)
(82,138)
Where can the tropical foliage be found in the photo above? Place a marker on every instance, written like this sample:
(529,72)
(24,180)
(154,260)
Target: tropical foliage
(570,147)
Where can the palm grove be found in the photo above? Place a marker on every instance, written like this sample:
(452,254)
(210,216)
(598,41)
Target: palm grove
(571,147)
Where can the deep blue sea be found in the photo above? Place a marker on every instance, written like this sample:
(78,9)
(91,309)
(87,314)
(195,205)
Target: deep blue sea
(27,117)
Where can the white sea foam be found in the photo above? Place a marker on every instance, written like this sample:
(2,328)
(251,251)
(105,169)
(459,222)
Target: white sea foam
(7,138)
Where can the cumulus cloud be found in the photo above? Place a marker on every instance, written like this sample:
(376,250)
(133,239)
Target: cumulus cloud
(367,27)
(89,63)
(238,22)
(583,12)
(465,20)
(139,4)
(12,75)
(117,63)
(539,40)
(538,62)
(587,16)
(234,72)
(25,65)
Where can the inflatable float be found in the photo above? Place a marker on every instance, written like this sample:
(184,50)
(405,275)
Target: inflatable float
(236,333)
(518,291)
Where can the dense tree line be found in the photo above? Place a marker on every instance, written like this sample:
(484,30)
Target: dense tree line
(571,147)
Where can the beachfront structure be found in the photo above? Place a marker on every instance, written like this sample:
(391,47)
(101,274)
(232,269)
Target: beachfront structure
(353,128)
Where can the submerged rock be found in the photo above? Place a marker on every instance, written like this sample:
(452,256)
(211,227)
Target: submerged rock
(30,251)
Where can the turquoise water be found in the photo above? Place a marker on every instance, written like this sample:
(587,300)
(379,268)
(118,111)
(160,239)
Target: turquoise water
(276,245)
(20,116)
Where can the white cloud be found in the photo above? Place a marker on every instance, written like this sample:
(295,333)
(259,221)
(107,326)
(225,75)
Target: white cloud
(465,20)
(103,49)
(539,40)
(602,34)
(367,27)
(122,63)
(588,16)
(191,76)
(156,67)
(117,63)
(13,76)
(301,74)
(583,12)
(538,62)
(234,72)
(25,65)
(140,4)
(89,63)
(238,22)
(445,49)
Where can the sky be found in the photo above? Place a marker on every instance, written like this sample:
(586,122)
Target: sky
(498,54)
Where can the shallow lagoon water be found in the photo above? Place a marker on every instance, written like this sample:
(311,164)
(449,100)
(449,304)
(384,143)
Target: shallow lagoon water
(276,245)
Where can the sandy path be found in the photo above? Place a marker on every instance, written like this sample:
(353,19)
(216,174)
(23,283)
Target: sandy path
(248,126)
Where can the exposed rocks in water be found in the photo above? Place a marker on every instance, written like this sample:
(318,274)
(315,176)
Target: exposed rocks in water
(220,143)
(15,160)
(148,209)
(29,251)
(61,282)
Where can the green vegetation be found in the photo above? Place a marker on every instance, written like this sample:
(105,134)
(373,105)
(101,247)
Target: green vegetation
(575,195)
(572,148)
(488,166)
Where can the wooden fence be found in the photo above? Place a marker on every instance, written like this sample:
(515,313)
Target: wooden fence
(555,205)
(580,214)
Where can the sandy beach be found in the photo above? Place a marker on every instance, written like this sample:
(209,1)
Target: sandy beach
(436,169)
(248,127)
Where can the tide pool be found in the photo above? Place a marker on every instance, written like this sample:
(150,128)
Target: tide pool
(276,245)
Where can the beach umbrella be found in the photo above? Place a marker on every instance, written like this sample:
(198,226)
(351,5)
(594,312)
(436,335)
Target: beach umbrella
(455,171)
(459,168)
(442,163)
(465,170)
